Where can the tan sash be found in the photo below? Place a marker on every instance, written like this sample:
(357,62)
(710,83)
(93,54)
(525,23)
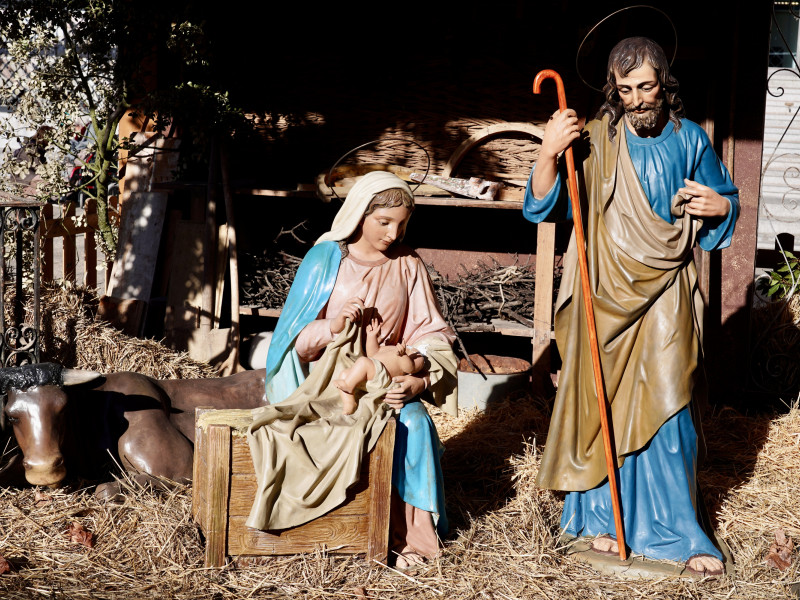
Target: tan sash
(648,311)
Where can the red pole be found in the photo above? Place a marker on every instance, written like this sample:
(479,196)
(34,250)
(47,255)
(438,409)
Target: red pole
(580,242)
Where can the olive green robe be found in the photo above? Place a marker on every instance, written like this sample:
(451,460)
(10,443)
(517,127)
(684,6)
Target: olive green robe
(648,311)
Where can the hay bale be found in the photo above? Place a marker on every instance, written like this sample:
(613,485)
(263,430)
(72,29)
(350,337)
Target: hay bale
(73,335)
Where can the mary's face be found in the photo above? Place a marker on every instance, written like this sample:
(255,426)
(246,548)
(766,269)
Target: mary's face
(383,227)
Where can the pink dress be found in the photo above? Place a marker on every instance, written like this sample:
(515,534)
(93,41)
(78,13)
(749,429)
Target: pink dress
(401,291)
(399,288)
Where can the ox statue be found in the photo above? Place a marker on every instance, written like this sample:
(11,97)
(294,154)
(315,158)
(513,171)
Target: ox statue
(81,422)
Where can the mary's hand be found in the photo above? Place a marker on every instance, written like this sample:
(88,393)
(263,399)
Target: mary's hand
(352,310)
(410,386)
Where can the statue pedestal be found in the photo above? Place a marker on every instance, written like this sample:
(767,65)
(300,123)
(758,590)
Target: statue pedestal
(637,566)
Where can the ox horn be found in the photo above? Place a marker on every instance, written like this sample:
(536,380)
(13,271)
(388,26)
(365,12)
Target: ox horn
(78,376)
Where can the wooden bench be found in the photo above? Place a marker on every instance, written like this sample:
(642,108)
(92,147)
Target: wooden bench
(225,485)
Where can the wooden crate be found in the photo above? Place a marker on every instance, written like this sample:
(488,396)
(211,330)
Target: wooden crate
(225,485)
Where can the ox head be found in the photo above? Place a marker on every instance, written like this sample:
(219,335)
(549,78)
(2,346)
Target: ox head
(35,409)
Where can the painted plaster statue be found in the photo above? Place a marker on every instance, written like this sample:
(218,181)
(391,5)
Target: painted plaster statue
(654,188)
(396,360)
(85,425)
(360,267)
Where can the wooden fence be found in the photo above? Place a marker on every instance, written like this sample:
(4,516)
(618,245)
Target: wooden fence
(69,249)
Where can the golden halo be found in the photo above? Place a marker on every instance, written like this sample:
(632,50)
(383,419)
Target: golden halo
(642,20)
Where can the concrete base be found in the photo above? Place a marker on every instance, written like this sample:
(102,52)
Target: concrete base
(636,566)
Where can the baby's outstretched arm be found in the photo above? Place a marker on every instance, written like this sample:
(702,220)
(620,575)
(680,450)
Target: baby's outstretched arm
(372,331)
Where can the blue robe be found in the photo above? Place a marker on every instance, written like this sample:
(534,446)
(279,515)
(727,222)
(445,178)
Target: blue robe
(417,472)
(658,481)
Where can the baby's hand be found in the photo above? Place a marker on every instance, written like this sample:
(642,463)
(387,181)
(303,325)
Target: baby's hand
(401,348)
(373,328)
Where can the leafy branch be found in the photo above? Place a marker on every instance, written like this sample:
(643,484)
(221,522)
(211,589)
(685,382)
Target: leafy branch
(782,282)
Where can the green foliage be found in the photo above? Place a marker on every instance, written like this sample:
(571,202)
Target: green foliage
(72,80)
(192,97)
(783,281)
(85,63)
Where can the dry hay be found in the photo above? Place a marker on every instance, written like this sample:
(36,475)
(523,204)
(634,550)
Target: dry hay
(505,529)
(504,543)
(763,497)
(73,336)
(775,353)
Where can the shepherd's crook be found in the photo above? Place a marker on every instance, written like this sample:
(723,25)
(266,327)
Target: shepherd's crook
(580,242)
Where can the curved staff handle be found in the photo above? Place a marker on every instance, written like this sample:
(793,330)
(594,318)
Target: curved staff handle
(580,242)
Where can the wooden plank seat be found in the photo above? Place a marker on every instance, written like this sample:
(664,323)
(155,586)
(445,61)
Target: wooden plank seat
(225,485)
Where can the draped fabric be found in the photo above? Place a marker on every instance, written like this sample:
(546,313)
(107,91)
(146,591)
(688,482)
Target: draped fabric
(660,502)
(400,290)
(349,216)
(418,479)
(305,452)
(661,164)
(649,327)
(648,311)
(310,290)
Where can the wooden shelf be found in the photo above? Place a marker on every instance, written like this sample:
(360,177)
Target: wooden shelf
(500,326)
(466,202)
(259,311)
(302,191)
(309,191)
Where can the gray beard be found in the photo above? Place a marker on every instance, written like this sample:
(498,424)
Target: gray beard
(648,120)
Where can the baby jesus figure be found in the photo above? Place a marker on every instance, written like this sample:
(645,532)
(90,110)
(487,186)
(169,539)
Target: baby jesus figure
(397,360)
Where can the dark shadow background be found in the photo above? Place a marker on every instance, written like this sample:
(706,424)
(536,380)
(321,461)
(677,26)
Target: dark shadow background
(318,82)
(325,80)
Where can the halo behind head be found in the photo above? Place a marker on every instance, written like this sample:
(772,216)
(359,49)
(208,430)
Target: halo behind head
(358,199)
(591,61)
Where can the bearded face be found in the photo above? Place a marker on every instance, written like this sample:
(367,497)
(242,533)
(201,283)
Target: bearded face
(642,98)
(645,116)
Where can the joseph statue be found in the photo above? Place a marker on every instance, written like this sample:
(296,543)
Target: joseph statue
(652,188)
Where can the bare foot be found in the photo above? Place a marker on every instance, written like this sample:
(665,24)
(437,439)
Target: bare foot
(605,544)
(408,559)
(705,565)
(341,384)
(349,403)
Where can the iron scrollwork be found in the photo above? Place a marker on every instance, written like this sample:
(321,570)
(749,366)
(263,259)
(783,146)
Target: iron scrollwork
(20,218)
(19,340)
(791,174)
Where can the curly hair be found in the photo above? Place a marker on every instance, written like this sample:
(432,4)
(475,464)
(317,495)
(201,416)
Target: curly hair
(627,55)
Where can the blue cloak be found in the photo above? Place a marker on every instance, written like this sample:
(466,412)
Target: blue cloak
(417,472)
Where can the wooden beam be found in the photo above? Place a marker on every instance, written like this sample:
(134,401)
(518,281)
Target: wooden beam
(543,300)
(68,258)
(380,477)
(218,453)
